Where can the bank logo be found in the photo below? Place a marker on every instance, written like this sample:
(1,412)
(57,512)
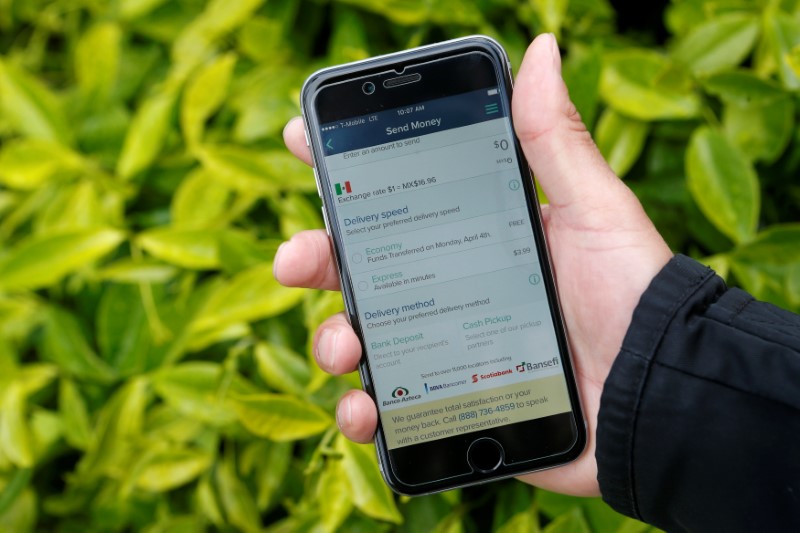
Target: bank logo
(400,395)
(478,377)
(342,188)
(442,386)
(534,367)
(399,392)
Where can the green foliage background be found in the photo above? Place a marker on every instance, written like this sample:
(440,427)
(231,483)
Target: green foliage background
(154,376)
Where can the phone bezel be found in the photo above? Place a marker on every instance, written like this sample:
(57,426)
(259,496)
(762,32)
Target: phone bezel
(390,460)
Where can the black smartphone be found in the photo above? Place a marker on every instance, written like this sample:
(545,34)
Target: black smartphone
(436,229)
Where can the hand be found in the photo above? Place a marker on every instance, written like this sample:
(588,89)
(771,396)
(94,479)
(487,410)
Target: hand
(605,252)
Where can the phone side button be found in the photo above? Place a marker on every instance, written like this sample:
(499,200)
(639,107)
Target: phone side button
(316,181)
(305,133)
(325,220)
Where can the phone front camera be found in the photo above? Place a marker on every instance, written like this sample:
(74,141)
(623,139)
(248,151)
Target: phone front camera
(368,87)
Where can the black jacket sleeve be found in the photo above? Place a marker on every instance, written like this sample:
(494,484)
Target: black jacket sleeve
(699,423)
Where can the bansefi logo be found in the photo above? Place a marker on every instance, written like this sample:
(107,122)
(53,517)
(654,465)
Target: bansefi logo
(401,394)
(342,188)
(533,367)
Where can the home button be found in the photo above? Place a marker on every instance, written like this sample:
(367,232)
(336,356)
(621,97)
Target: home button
(485,455)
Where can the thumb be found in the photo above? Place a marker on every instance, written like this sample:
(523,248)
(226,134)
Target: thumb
(560,150)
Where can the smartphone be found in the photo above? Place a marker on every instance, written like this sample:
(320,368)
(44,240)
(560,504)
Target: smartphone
(435,226)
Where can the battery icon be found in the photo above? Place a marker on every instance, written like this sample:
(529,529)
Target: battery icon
(491,92)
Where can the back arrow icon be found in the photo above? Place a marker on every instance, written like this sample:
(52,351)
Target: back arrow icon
(329,145)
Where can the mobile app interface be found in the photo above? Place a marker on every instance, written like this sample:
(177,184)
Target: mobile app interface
(448,287)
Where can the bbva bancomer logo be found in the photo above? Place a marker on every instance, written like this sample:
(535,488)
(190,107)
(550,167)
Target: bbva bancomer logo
(401,394)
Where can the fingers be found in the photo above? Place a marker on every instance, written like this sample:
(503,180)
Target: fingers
(558,147)
(306,260)
(295,140)
(336,347)
(357,416)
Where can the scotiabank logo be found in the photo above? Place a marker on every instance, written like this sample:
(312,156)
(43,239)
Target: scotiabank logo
(401,394)
(480,377)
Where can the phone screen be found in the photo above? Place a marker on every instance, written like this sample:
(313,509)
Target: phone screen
(436,237)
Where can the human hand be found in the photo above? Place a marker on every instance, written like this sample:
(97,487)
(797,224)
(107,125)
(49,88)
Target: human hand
(604,249)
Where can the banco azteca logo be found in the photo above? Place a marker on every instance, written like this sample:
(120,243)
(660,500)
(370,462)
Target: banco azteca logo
(399,392)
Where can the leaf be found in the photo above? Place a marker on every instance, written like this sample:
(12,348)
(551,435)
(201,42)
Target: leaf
(761,132)
(65,344)
(187,248)
(26,164)
(742,87)
(122,330)
(723,183)
(782,33)
(644,85)
(444,12)
(620,140)
(296,214)
(571,522)
(171,469)
(44,261)
(263,172)
(131,9)
(551,13)
(118,426)
(204,94)
(370,493)
(333,495)
(30,107)
(251,295)
(722,42)
(14,488)
(196,390)
(269,462)
(16,441)
(73,411)
(349,41)
(769,266)
(281,418)
(281,368)
(97,57)
(581,72)
(146,134)
(200,201)
(237,501)
(128,270)
(525,521)
(77,207)
(22,514)
(239,251)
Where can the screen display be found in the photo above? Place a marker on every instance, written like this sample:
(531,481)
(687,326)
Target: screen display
(436,236)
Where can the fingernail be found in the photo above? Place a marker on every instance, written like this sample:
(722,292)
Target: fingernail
(344,414)
(326,348)
(276,260)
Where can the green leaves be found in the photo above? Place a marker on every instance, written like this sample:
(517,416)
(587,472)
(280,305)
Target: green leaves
(723,183)
(203,96)
(620,140)
(769,266)
(369,492)
(46,260)
(30,107)
(646,86)
(187,248)
(147,133)
(281,418)
(720,43)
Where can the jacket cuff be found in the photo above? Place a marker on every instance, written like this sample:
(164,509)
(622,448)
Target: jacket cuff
(624,388)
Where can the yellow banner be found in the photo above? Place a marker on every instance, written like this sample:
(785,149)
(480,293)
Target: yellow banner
(475,411)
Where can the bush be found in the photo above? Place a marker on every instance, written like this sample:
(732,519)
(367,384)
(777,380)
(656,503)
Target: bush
(154,376)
